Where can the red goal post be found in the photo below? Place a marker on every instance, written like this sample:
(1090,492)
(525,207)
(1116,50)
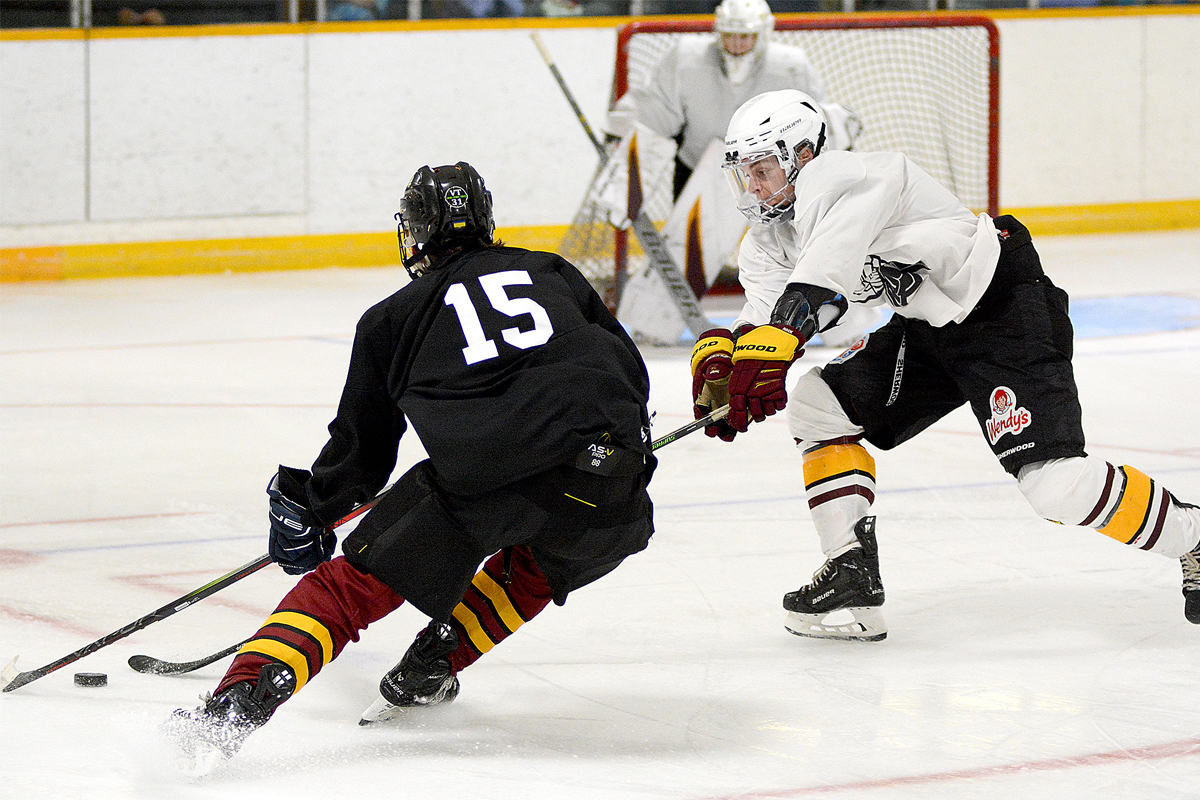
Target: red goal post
(925,84)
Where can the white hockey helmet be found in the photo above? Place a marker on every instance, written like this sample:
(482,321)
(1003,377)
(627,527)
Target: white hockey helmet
(743,18)
(762,148)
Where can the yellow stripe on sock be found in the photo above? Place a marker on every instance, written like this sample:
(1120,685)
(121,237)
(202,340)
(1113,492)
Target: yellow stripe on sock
(475,631)
(305,624)
(279,651)
(836,459)
(500,600)
(1130,515)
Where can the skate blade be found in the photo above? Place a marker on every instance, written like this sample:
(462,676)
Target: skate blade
(380,711)
(862,625)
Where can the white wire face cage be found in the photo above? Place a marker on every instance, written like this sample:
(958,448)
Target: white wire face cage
(761,170)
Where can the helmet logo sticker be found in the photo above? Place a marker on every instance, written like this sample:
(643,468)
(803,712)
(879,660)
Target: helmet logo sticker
(1007,416)
(456,198)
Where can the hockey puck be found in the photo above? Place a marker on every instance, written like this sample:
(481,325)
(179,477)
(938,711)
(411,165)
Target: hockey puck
(91,679)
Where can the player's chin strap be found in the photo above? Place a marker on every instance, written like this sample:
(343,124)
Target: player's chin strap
(808,309)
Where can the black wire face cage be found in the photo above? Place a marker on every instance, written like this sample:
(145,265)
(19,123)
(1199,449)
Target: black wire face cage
(411,256)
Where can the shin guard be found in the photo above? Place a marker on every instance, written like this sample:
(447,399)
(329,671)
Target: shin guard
(839,481)
(325,610)
(509,591)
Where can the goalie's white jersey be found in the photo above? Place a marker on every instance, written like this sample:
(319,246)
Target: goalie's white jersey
(688,92)
(878,229)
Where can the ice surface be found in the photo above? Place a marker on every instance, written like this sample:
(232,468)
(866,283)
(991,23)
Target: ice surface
(141,419)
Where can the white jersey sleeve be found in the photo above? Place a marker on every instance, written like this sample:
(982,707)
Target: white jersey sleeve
(878,229)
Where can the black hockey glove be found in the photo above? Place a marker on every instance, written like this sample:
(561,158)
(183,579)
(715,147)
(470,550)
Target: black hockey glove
(298,543)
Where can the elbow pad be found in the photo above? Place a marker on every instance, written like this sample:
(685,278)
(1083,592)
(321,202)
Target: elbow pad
(809,309)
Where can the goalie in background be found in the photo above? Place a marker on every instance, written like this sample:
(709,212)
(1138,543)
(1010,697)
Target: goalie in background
(530,401)
(690,95)
(976,321)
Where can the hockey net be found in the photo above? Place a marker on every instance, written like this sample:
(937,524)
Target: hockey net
(926,85)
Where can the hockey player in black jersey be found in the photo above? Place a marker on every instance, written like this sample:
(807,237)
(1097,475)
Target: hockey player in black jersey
(514,376)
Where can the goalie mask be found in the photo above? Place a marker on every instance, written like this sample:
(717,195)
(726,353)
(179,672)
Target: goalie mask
(763,151)
(442,208)
(743,28)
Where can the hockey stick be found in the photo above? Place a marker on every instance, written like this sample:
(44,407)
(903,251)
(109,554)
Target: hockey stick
(11,679)
(562,84)
(647,234)
(716,415)
(155,666)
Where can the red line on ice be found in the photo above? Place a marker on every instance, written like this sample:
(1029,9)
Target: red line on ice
(100,519)
(29,616)
(1154,752)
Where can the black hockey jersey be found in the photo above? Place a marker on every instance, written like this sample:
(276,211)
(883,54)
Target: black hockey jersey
(505,361)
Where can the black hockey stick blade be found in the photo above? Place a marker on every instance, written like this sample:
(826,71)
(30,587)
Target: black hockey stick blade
(156,666)
(10,679)
(708,419)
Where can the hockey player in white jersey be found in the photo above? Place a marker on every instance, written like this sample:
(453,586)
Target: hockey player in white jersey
(694,90)
(976,321)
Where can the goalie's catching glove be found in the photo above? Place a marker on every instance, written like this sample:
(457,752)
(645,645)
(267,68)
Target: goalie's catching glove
(761,359)
(711,365)
(298,542)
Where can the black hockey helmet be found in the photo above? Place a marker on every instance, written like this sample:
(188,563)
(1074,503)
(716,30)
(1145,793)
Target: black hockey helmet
(442,208)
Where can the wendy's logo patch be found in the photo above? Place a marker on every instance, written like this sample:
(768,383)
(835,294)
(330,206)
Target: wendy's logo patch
(1007,416)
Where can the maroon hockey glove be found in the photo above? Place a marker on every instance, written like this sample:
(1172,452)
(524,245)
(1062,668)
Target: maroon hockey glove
(711,366)
(761,359)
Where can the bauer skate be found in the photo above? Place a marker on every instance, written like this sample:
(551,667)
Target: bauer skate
(214,732)
(422,678)
(1190,562)
(1191,585)
(843,600)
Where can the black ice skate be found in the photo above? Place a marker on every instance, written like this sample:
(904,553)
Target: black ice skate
(422,678)
(843,600)
(212,733)
(1190,562)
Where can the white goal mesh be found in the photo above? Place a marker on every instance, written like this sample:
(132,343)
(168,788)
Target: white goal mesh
(926,85)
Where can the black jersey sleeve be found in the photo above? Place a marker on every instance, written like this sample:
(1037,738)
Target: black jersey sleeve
(361,452)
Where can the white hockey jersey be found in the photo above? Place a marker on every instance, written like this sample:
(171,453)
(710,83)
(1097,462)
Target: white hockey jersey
(687,92)
(878,229)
